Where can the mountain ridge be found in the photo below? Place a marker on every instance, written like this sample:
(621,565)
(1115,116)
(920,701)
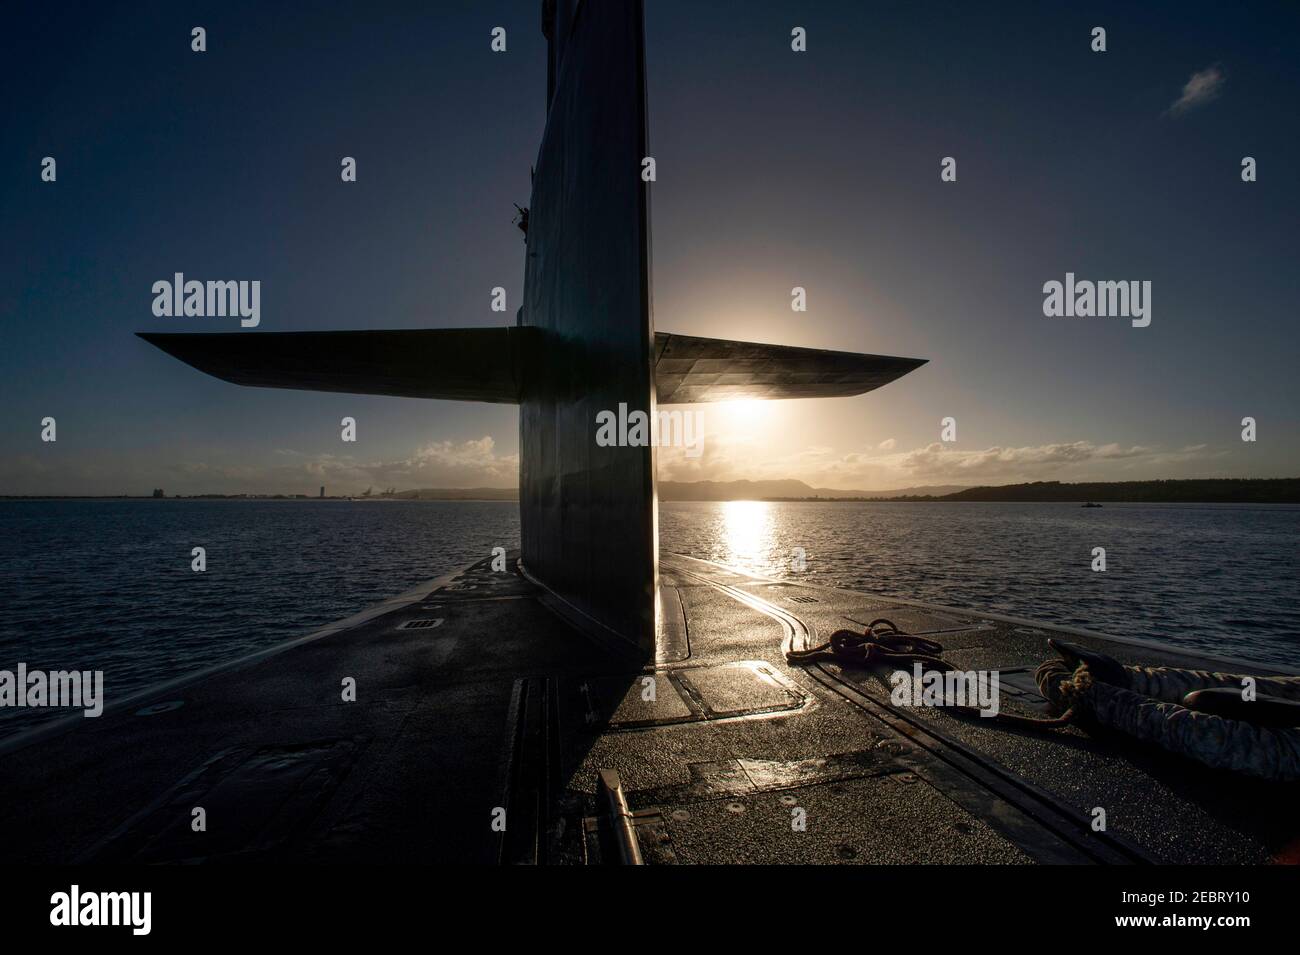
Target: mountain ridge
(1180,490)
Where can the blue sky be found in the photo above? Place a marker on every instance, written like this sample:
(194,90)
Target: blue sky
(775,169)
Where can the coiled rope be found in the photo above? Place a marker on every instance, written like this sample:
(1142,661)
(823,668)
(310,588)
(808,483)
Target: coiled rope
(883,643)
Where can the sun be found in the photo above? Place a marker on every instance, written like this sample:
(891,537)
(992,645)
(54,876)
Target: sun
(744,414)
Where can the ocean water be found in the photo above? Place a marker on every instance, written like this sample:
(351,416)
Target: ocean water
(107,584)
(1222,578)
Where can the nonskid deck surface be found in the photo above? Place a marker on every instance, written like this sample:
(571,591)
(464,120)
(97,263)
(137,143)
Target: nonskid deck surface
(1030,793)
(501,711)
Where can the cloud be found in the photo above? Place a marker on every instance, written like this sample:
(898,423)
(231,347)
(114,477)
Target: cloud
(726,456)
(1203,86)
(884,466)
(471,463)
(1060,461)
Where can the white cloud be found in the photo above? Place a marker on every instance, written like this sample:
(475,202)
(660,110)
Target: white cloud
(471,463)
(1203,86)
(726,456)
(1073,460)
(883,466)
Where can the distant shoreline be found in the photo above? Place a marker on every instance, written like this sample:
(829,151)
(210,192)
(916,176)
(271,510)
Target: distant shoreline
(1189,491)
(1281,491)
(1182,491)
(286,498)
(36,499)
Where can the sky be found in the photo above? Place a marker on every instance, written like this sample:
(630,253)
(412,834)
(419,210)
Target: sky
(775,169)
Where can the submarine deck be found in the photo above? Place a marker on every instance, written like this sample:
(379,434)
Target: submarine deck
(482,720)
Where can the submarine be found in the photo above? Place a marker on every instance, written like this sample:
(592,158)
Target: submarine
(596,701)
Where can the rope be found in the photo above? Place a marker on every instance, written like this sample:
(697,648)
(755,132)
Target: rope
(873,646)
(883,643)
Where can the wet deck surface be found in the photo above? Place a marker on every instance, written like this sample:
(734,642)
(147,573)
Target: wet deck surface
(726,752)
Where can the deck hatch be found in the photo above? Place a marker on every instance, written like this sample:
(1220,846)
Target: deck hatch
(696,694)
(424,623)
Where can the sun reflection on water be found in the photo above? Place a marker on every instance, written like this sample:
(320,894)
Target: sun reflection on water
(747,536)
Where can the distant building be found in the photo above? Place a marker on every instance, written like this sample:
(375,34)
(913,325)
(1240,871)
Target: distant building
(158,492)
(322,490)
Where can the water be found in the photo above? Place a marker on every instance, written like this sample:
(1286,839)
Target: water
(1218,578)
(107,584)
